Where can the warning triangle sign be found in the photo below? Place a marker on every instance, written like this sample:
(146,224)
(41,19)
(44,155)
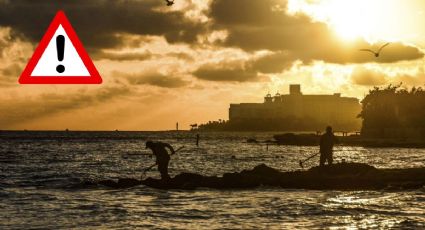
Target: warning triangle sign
(60,58)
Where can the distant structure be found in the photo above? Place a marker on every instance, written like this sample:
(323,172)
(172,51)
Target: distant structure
(297,112)
(193,126)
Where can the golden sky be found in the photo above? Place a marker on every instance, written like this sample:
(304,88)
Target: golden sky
(187,63)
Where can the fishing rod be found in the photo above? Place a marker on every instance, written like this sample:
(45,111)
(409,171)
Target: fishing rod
(301,162)
(139,154)
(150,167)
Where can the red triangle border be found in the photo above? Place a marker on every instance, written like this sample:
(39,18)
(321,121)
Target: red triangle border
(60,19)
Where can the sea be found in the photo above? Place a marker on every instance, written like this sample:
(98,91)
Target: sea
(40,171)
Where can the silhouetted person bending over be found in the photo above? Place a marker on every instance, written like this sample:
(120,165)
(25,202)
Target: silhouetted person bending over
(162,156)
(327,142)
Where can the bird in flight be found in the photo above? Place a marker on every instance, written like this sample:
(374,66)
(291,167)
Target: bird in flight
(377,53)
(169,2)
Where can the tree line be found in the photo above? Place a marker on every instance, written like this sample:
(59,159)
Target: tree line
(393,109)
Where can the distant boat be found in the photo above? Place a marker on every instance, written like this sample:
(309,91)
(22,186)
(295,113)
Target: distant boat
(251,140)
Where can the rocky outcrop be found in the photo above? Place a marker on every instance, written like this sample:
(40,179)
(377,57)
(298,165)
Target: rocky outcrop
(343,176)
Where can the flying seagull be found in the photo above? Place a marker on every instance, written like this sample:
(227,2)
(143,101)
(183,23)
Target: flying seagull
(169,2)
(375,53)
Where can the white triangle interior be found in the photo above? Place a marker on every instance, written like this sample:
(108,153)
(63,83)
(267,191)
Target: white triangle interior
(48,62)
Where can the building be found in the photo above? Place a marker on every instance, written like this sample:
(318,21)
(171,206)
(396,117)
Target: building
(298,112)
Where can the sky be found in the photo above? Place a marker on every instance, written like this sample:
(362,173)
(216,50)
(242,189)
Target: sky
(186,63)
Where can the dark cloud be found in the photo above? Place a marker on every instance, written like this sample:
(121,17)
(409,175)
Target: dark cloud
(20,110)
(226,74)
(154,79)
(245,71)
(395,52)
(272,63)
(252,25)
(98,22)
(257,24)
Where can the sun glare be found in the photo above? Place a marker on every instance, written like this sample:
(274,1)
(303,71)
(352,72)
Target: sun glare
(375,20)
(350,19)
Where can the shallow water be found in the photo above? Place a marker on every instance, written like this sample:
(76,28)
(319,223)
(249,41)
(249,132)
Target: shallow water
(38,170)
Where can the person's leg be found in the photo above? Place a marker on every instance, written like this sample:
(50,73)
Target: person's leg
(322,159)
(160,170)
(167,176)
(330,158)
(163,169)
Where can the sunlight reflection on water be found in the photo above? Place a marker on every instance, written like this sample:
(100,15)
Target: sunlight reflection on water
(34,173)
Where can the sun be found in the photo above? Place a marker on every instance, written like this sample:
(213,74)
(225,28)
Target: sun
(350,20)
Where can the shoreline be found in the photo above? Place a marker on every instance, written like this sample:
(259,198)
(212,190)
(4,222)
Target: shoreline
(294,139)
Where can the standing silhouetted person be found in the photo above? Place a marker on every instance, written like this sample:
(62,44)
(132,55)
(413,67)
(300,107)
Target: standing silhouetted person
(327,142)
(162,156)
(197,140)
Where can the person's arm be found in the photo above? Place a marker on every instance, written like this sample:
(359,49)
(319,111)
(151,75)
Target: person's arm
(170,148)
(321,143)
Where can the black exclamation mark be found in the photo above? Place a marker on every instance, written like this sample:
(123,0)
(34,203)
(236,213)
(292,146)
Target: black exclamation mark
(60,48)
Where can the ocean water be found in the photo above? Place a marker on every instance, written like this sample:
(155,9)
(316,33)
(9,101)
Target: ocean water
(38,171)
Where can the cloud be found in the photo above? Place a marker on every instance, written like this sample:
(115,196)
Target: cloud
(350,54)
(12,48)
(98,22)
(272,63)
(264,24)
(257,25)
(411,80)
(370,77)
(226,74)
(248,69)
(13,53)
(181,56)
(12,70)
(139,56)
(17,110)
(123,56)
(153,79)
(9,75)
(367,77)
